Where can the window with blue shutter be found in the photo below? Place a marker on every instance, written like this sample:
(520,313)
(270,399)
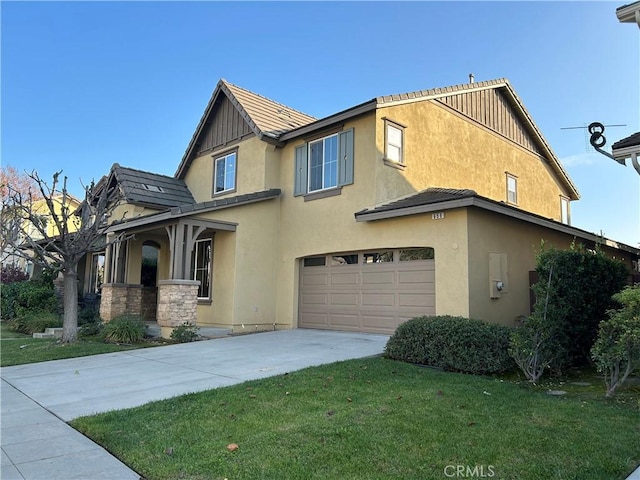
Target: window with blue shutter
(324,163)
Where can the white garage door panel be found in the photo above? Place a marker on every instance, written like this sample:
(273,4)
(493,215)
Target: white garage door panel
(370,297)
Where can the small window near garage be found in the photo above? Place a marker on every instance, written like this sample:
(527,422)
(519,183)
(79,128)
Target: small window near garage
(512,189)
(378,257)
(315,262)
(344,259)
(412,254)
(564,210)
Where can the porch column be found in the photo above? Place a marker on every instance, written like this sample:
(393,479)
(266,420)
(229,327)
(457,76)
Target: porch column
(118,299)
(177,304)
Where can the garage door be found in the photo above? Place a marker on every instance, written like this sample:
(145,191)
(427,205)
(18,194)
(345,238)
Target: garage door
(367,291)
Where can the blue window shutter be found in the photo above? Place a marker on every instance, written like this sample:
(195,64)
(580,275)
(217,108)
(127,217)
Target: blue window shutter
(300,175)
(345,158)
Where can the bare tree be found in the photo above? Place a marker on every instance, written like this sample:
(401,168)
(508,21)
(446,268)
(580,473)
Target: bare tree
(78,232)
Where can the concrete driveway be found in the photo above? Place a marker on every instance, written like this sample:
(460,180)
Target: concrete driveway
(36,397)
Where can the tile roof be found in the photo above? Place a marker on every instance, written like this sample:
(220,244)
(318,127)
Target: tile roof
(425,197)
(451,90)
(630,141)
(151,189)
(270,117)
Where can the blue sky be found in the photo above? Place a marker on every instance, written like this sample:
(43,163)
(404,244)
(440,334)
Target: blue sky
(87,84)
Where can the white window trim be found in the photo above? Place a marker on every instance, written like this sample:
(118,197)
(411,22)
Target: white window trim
(512,177)
(387,142)
(565,201)
(324,187)
(215,172)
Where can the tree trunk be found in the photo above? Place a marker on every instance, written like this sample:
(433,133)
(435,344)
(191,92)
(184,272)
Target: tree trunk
(70,322)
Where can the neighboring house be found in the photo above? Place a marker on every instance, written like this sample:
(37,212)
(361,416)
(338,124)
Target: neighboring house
(431,202)
(41,209)
(628,147)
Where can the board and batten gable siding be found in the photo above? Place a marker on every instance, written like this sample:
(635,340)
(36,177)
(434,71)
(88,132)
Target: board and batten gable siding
(493,110)
(225,126)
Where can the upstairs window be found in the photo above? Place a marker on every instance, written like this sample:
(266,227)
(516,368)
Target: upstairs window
(512,189)
(324,164)
(393,142)
(225,173)
(564,210)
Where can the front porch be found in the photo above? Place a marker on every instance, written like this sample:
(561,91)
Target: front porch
(181,281)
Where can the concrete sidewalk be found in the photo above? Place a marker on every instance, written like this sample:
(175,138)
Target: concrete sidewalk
(37,399)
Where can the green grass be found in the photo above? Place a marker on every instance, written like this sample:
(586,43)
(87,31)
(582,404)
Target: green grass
(19,349)
(31,350)
(373,419)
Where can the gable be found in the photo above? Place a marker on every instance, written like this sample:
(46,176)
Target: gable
(225,125)
(493,109)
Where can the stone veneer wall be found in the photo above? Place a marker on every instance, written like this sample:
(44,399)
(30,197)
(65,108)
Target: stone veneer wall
(177,304)
(120,298)
(149,303)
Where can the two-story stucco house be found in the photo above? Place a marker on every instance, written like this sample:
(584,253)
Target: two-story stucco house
(431,202)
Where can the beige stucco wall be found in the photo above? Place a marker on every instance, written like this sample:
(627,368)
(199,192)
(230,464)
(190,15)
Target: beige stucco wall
(443,149)
(251,170)
(245,265)
(520,241)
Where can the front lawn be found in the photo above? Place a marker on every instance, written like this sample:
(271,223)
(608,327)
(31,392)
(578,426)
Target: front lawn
(19,349)
(373,419)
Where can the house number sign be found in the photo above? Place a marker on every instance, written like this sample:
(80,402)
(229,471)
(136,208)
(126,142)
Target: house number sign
(437,215)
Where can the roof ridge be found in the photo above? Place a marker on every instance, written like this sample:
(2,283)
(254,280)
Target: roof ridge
(116,166)
(449,89)
(229,84)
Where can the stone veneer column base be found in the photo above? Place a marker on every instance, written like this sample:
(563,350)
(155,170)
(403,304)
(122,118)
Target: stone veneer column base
(177,304)
(120,298)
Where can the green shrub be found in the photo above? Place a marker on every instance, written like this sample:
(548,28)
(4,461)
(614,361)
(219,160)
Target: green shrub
(452,343)
(124,329)
(185,333)
(22,298)
(35,322)
(579,295)
(91,329)
(617,348)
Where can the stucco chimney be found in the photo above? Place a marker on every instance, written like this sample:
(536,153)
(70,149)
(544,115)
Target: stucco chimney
(471,78)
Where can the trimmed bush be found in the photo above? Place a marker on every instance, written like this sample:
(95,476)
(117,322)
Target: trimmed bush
(35,322)
(124,329)
(23,298)
(452,343)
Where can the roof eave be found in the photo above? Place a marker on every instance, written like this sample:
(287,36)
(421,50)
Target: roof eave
(629,13)
(497,207)
(625,152)
(330,120)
